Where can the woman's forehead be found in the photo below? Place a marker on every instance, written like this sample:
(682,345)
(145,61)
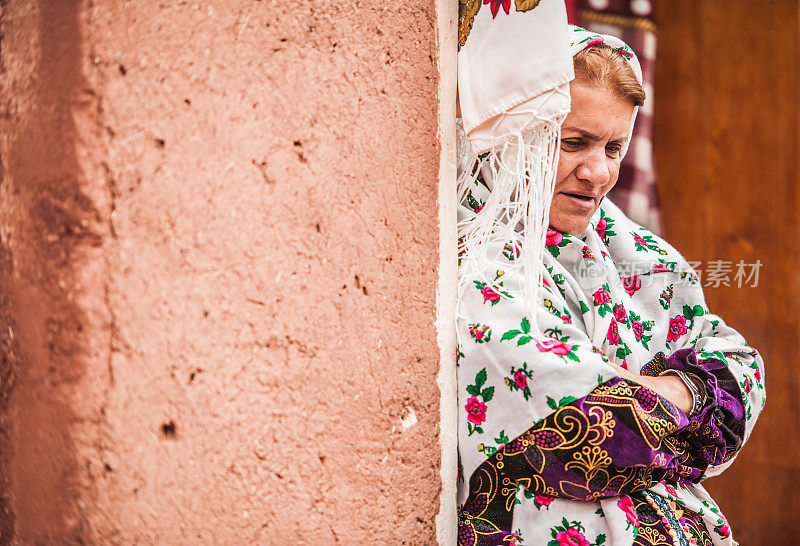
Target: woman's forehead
(598,113)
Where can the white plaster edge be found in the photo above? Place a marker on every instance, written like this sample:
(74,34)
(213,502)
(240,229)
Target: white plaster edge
(446,292)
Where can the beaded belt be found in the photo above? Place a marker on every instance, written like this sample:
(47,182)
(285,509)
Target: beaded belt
(672,518)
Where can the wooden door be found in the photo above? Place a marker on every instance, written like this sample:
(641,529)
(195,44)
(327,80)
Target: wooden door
(726,144)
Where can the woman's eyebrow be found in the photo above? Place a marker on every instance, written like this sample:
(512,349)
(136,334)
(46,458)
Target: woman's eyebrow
(591,136)
(583,133)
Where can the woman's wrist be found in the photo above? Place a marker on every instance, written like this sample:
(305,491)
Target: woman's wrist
(670,387)
(696,388)
(673,389)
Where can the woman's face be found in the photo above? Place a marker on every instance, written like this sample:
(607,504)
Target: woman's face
(592,139)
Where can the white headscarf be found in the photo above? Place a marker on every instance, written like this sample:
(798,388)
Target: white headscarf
(581,39)
(513,84)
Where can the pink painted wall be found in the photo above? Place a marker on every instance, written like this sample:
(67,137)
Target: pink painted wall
(231,338)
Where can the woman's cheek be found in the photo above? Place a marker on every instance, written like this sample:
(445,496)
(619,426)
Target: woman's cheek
(567,163)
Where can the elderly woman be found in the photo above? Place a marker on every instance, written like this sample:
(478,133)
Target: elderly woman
(590,414)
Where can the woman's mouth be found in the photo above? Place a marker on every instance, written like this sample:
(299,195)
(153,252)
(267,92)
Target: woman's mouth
(580,200)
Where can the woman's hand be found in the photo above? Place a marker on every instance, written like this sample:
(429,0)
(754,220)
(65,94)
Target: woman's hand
(669,386)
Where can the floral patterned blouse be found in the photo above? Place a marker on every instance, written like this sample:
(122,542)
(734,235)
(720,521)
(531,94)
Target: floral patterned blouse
(554,447)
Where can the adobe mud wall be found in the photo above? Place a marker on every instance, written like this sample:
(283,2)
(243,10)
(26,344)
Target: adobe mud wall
(219,253)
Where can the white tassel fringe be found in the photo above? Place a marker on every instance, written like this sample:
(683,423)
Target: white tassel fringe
(520,172)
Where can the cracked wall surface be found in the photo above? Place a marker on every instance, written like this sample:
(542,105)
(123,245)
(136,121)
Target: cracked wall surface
(218,224)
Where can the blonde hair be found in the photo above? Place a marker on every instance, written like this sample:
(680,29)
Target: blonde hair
(603,66)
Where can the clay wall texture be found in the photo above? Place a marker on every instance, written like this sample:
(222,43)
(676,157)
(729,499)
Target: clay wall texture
(218,271)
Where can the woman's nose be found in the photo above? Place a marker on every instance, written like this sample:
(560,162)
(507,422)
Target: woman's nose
(594,168)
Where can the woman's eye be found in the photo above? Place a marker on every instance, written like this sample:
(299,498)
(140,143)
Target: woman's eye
(614,150)
(571,142)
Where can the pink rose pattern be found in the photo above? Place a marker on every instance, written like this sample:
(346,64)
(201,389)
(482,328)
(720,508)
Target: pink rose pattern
(677,327)
(571,537)
(620,314)
(489,294)
(605,302)
(476,411)
(632,284)
(543,501)
(480,333)
(554,237)
(602,296)
(613,333)
(556,347)
(519,380)
(476,407)
(626,505)
(601,228)
(602,300)
(638,330)
(647,243)
(555,241)
(572,533)
(605,228)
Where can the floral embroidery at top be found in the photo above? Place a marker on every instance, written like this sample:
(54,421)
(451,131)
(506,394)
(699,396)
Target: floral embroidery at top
(468,9)
(625,51)
(496,4)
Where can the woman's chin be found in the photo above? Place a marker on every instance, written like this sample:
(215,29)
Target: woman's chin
(569,216)
(571,225)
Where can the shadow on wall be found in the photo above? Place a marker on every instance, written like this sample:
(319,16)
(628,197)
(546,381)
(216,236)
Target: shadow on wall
(46,226)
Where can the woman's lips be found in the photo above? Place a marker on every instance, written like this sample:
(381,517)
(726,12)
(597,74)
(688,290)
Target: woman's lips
(581,201)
